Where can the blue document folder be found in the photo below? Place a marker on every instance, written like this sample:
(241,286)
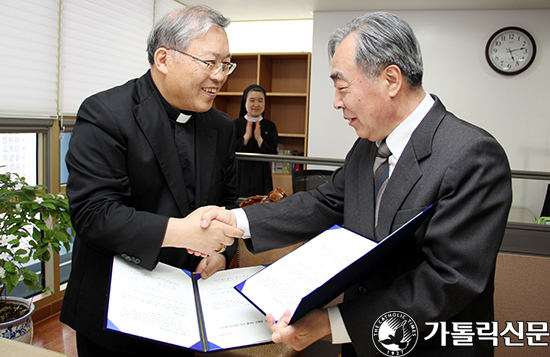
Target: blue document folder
(271,290)
(174,306)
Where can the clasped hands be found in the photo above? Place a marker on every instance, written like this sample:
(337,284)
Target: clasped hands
(205,242)
(257,133)
(203,239)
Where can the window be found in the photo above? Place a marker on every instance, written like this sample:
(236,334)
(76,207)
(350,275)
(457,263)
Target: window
(63,149)
(18,153)
(65,258)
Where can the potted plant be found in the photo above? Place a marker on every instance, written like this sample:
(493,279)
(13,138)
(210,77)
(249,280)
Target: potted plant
(32,225)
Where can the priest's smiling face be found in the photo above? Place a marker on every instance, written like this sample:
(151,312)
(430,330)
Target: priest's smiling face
(188,83)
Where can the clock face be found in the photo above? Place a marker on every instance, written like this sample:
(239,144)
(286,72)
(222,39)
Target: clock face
(510,50)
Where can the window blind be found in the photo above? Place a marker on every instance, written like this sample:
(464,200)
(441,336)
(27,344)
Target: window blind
(103,45)
(89,47)
(28,58)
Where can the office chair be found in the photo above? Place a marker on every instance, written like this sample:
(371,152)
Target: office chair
(545,212)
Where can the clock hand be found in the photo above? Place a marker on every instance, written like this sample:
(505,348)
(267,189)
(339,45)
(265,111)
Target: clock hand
(511,53)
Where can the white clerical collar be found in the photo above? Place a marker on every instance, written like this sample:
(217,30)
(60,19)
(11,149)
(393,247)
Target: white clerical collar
(183,118)
(253,119)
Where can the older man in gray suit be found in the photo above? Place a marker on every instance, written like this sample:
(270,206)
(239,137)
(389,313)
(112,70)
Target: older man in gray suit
(445,273)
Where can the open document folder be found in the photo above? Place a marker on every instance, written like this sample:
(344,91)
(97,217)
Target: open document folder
(175,306)
(320,270)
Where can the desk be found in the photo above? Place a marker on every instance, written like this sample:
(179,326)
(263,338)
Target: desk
(10,348)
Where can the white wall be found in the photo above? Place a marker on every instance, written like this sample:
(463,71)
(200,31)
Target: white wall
(516,110)
(270,36)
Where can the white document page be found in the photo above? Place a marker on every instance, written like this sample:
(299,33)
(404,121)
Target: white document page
(157,304)
(282,286)
(230,320)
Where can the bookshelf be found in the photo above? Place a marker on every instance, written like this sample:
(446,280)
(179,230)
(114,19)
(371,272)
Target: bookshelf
(286,79)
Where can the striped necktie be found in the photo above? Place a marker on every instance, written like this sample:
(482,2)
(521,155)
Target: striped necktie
(381,170)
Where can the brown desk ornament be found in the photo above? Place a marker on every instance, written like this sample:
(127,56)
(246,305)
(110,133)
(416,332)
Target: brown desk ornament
(274,196)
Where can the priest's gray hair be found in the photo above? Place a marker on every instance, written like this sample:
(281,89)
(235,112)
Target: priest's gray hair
(178,28)
(383,39)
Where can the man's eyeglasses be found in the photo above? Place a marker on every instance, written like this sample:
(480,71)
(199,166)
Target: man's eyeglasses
(212,67)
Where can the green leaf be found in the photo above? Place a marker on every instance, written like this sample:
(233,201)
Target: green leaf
(48,205)
(9,285)
(14,279)
(37,235)
(10,267)
(66,217)
(45,256)
(41,225)
(34,287)
(28,193)
(20,252)
(40,250)
(22,260)
(60,235)
(14,241)
(30,275)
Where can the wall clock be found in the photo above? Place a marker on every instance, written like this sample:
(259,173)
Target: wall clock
(510,50)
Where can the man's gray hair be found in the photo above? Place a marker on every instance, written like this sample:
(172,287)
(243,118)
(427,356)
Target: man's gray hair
(383,39)
(178,28)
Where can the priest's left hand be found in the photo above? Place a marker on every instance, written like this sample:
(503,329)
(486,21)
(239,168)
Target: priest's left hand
(211,264)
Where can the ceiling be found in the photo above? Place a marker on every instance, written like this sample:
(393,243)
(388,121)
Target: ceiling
(250,10)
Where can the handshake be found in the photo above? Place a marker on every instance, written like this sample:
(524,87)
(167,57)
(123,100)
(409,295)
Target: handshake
(206,231)
(210,229)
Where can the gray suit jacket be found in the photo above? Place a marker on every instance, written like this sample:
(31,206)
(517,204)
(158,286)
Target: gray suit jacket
(125,181)
(446,272)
